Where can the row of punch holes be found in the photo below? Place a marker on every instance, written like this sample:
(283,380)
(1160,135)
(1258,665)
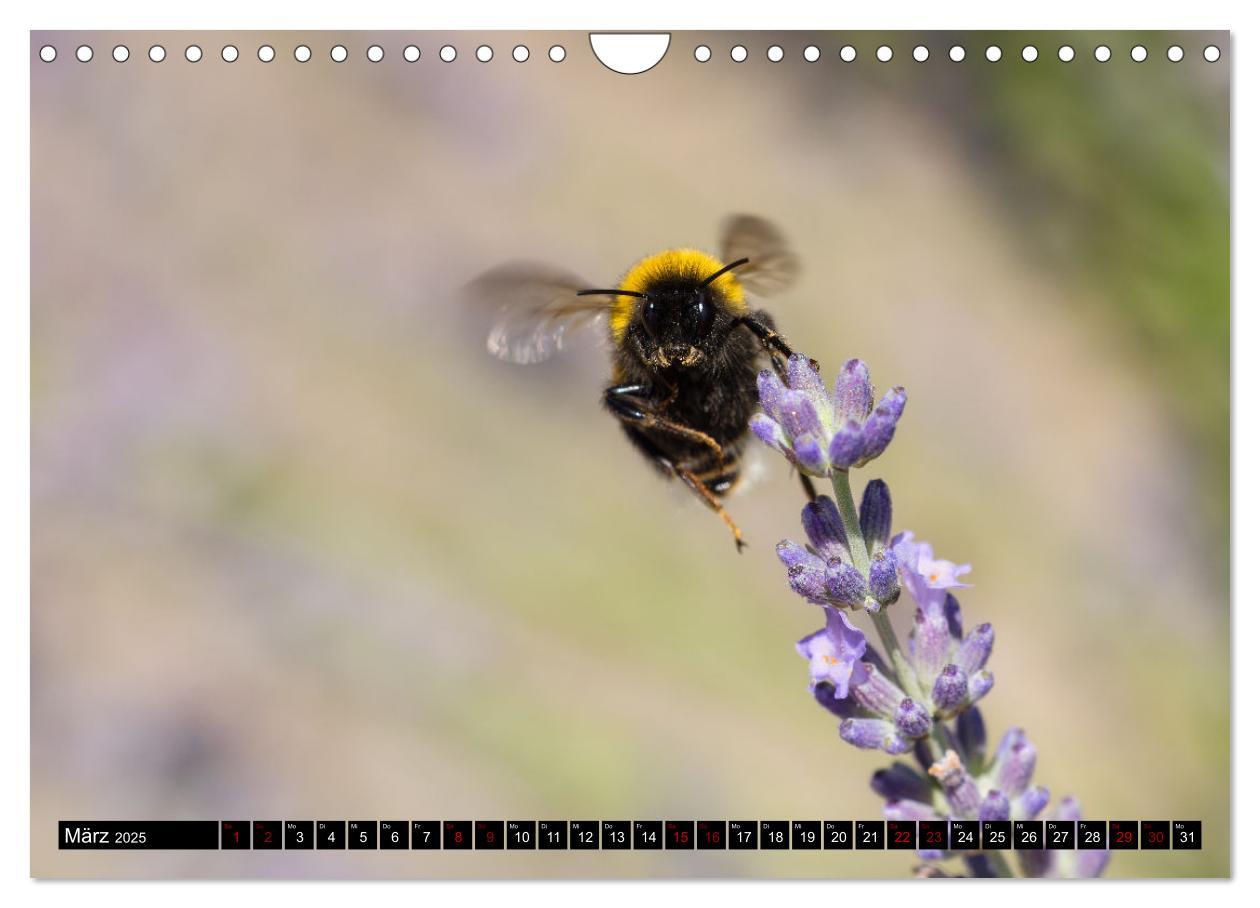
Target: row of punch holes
(229,53)
(702,53)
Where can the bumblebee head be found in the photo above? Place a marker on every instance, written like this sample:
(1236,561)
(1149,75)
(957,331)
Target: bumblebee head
(672,308)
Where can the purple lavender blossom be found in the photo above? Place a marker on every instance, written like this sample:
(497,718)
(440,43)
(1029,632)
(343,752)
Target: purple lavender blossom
(833,652)
(927,578)
(820,433)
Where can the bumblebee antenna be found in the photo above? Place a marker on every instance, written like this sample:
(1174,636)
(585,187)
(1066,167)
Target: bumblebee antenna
(721,271)
(633,293)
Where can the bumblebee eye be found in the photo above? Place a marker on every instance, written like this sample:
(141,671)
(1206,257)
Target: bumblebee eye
(700,315)
(653,315)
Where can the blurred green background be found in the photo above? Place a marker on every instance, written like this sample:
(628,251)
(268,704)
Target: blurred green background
(302,549)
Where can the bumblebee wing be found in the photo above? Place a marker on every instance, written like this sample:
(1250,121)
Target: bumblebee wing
(536,307)
(772,267)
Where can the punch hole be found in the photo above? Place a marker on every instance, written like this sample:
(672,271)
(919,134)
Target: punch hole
(883,53)
(703,54)
(1029,53)
(556,53)
(339,53)
(266,53)
(958,53)
(1176,54)
(229,53)
(520,53)
(629,54)
(1211,53)
(447,53)
(192,53)
(993,53)
(1102,53)
(121,53)
(411,53)
(1138,54)
(48,53)
(774,53)
(848,53)
(921,54)
(375,53)
(739,53)
(302,53)
(811,54)
(83,53)
(157,53)
(485,53)
(1067,53)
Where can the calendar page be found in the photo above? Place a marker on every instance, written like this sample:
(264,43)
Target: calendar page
(593,455)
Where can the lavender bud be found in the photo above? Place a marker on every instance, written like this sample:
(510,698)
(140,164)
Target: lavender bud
(846,446)
(913,719)
(875,692)
(1069,808)
(768,431)
(953,614)
(799,416)
(770,390)
(974,652)
(802,377)
(971,737)
(923,754)
(994,808)
(845,584)
(1013,768)
(877,434)
(930,644)
(884,584)
(1033,801)
(825,694)
(901,783)
(979,684)
(809,454)
(873,734)
(792,554)
(960,789)
(825,529)
(1091,864)
(950,690)
(876,514)
(809,580)
(909,810)
(855,395)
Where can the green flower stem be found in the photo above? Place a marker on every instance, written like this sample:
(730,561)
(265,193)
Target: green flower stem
(862,561)
(852,526)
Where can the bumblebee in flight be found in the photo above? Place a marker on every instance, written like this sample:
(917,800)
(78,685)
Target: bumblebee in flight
(686,345)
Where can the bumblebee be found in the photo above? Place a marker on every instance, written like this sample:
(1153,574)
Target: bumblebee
(686,345)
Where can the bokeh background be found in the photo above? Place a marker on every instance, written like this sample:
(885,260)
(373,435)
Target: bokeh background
(302,549)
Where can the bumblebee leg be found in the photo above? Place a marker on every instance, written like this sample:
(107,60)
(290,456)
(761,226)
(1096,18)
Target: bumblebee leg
(702,492)
(631,404)
(773,342)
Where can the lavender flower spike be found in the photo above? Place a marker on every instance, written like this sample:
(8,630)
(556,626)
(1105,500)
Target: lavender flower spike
(819,434)
(918,698)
